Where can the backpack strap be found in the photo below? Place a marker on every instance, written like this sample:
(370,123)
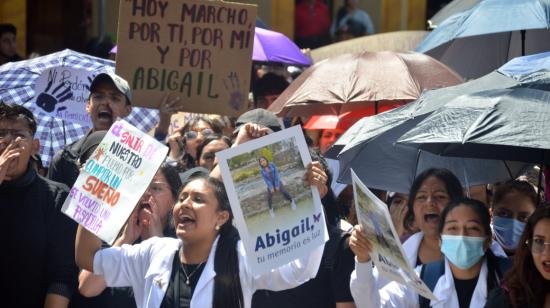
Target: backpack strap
(430,274)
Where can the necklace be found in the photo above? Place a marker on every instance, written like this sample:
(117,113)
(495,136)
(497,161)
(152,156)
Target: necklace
(187,277)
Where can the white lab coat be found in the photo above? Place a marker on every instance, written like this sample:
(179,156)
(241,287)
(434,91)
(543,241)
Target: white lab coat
(366,293)
(147,267)
(410,247)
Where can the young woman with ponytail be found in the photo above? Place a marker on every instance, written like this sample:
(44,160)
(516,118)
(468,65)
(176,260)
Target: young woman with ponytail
(204,267)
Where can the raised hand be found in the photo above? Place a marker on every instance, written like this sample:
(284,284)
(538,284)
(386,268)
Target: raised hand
(250,131)
(7,157)
(315,175)
(151,220)
(132,230)
(360,245)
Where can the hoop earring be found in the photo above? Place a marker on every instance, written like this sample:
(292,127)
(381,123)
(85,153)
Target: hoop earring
(217,228)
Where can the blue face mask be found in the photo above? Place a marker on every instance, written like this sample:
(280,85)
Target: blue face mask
(508,231)
(462,251)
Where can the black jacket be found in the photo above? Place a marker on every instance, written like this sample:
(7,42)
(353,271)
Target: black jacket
(37,241)
(64,166)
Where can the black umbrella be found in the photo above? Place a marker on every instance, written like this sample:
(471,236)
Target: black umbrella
(369,147)
(508,124)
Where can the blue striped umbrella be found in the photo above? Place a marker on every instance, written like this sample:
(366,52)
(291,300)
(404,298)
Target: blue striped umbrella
(17,80)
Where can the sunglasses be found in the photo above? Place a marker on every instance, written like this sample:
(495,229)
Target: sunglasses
(194,134)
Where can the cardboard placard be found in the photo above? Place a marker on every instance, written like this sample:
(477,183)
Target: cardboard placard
(279,218)
(387,252)
(200,50)
(113,179)
(63,92)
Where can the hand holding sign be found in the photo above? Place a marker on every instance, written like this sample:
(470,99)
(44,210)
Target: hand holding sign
(113,179)
(360,244)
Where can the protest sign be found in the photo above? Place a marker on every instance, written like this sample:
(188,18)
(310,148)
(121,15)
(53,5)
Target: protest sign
(387,252)
(200,50)
(63,92)
(113,179)
(279,218)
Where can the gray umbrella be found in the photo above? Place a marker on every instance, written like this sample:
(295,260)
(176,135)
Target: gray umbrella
(477,41)
(369,147)
(510,124)
(454,7)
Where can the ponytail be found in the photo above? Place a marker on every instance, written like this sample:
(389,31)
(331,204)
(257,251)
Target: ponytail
(227,283)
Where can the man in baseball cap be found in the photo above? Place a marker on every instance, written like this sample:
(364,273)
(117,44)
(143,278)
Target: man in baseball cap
(110,98)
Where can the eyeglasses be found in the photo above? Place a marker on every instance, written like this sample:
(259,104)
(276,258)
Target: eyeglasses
(194,134)
(15,133)
(537,245)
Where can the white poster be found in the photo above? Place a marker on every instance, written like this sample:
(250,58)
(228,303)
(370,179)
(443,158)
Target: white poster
(62,92)
(279,218)
(113,179)
(387,252)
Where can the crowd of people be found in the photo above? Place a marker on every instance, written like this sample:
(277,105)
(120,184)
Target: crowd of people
(179,247)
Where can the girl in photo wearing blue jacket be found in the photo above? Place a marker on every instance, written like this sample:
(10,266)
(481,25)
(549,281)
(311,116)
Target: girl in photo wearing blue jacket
(271,177)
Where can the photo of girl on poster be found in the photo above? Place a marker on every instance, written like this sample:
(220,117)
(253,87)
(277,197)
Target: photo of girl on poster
(270,174)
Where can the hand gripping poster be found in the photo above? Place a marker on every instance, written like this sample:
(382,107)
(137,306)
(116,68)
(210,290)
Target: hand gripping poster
(387,252)
(113,179)
(279,218)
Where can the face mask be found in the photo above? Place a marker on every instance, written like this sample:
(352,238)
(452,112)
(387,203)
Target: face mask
(462,251)
(508,231)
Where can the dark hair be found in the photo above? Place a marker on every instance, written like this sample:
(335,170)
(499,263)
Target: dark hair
(8,28)
(195,119)
(477,206)
(259,158)
(227,284)
(329,200)
(269,84)
(452,184)
(16,112)
(171,174)
(209,139)
(482,212)
(522,187)
(526,286)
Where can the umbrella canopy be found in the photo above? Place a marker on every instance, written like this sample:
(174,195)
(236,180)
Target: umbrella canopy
(508,124)
(400,41)
(489,34)
(273,47)
(382,164)
(355,81)
(452,8)
(17,80)
(527,65)
(343,121)
(370,148)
